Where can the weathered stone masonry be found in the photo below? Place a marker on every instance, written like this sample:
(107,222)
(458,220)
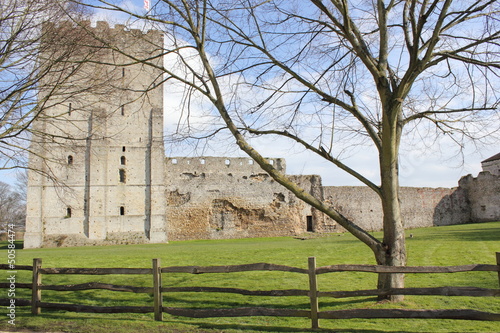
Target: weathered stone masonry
(106,153)
(113,184)
(219,197)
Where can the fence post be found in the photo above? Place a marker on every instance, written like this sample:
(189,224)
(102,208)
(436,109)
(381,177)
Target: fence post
(158,298)
(313,292)
(498,264)
(36,292)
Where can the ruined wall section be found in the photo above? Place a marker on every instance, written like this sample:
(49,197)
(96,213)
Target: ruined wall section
(359,204)
(492,165)
(219,198)
(483,193)
(420,207)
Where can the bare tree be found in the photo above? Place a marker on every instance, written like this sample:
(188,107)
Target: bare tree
(12,207)
(320,73)
(28,57)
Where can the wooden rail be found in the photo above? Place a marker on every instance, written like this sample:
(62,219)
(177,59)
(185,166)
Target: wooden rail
(312,292)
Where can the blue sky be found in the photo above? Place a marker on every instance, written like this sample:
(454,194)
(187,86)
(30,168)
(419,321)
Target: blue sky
(435,166)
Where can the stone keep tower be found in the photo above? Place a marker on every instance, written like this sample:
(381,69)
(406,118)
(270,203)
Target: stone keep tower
(97,169)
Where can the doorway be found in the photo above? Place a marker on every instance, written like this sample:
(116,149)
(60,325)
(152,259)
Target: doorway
(309,221)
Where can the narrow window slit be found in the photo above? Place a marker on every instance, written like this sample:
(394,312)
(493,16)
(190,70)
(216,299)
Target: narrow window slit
(122,176)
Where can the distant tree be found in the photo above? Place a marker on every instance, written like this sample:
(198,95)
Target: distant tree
(329,75)
(12,207)
(27,60)
(21,184)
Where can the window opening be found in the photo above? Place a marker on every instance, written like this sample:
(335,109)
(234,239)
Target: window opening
(123,148)
(202,161)
(69,109)
(122,210)
(68,212)
(123,110)
(70,159)
(122,176)
(174,161)
(227,162)
(309,221)
(123,160)
(123,72)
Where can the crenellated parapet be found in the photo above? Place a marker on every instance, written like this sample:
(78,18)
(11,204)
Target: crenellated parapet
(211,165)
(102,29)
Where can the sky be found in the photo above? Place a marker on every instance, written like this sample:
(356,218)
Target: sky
(416,169)
(419,167)
(434,166)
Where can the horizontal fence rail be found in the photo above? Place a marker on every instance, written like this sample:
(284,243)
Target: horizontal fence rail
(312,292)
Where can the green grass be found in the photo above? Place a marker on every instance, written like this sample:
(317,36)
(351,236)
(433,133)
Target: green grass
(452,245)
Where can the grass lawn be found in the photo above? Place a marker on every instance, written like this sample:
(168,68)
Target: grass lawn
(441,246)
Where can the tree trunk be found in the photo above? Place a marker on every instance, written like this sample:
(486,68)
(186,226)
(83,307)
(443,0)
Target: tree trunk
(394,247)
(394,250)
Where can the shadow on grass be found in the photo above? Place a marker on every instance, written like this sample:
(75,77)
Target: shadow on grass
(226,302)
(344,303)
(260,328)
(302,304)
(61,321)
(4,245)
(477,235)
(480,233)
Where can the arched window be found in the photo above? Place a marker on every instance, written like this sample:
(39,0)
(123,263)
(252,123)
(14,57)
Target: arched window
(70,159)
(123,177)
(123,160)
(122,210)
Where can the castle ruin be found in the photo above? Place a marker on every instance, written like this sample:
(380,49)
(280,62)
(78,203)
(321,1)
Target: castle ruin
(112,184)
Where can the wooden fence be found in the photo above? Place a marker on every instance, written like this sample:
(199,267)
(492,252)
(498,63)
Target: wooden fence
(313,293)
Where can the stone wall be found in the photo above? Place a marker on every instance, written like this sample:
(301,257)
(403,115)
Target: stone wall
(420,207)
(483,194)
(475,200)
(217,197)
(105,150)
(492,165)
